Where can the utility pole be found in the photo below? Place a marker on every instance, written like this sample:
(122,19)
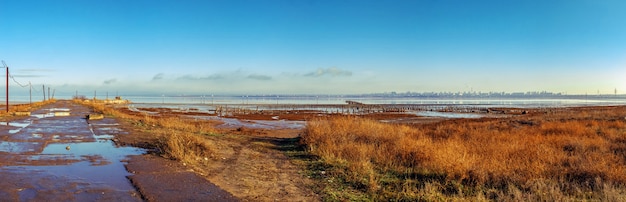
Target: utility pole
(7,68)
(30,93)
(49,93)
(7,88)
(43,89)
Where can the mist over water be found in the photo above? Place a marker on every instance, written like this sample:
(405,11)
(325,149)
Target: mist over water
(523,102)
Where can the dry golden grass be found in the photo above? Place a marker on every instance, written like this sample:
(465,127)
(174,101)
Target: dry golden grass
(559,156)
(25,107)
(179,138)
(251,168)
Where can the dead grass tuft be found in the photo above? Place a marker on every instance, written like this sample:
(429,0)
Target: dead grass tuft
(187,148)
(178,137)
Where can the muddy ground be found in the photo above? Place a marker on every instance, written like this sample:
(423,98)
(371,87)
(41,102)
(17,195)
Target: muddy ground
(253,159)
(258,157)
(57,155)
(249,163)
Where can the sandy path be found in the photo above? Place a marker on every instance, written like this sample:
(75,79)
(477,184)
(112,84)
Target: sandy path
(255,168)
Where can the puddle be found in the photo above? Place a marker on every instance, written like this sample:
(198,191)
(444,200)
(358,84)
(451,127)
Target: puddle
(41,116)
(66,151)
(257,124)
(105,131)
(98,163)
(281,124)
(134,109)
(18,124)
(59,109)
(105,149)
(73,181)
(448,114)
(18,147)
(52,113)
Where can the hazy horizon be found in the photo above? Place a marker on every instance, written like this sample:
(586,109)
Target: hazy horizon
(315,47)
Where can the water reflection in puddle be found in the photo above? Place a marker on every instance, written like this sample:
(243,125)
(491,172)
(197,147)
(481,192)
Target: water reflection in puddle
(61,150)
(258,124)
(18,124)
(99,163)
(59,109)
(52,113)
(105,149)
(41,116)
(18,147)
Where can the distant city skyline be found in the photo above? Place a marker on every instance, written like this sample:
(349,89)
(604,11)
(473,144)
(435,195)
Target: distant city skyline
(37,93)
(315,47)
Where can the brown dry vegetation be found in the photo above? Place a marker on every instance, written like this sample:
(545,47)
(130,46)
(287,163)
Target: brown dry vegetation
(250,164)
(176,137)
(570,154)
(25,107)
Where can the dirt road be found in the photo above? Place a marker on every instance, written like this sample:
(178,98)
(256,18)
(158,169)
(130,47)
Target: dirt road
(57,155)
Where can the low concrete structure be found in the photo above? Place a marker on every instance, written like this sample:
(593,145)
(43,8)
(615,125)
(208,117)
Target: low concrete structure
(95,116)
(21,113)
(117,100)
(61,113)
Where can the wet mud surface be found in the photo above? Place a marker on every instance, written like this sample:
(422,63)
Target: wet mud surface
(151,173)
(57,155)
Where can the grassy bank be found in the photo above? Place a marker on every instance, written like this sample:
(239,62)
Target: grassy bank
(241,161)
(570,155)
(177,138)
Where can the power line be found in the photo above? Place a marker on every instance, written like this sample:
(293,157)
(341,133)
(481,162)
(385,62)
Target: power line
(22,85)
(35,89)
(18,83)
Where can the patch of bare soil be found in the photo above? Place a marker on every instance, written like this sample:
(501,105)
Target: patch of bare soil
(154,178)
(250,164)
(253,164)
(256,169)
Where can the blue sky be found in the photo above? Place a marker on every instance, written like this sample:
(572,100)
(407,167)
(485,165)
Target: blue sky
(309,46)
